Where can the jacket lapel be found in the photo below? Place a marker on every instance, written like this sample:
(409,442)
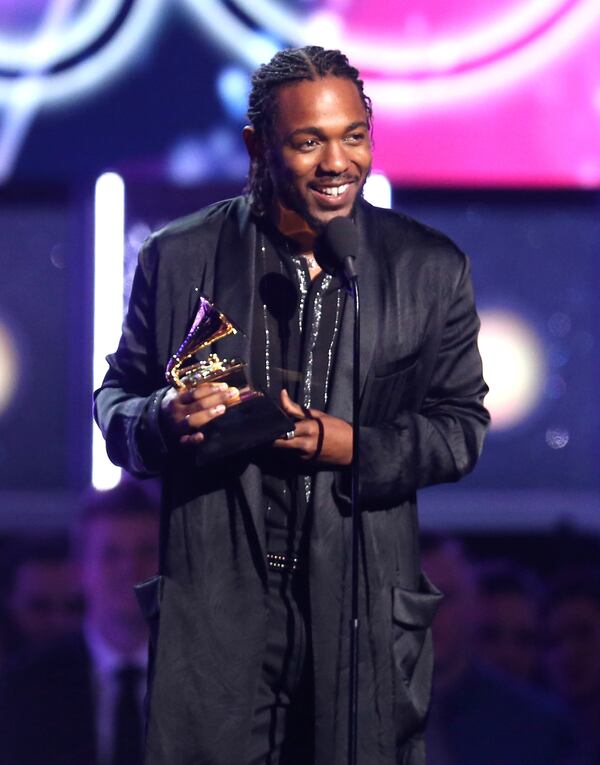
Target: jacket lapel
(340,400)
(234,295)
(234,282)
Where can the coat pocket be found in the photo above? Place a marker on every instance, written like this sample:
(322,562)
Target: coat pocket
(386,369)
(148,595)
(412,614)
(390,388)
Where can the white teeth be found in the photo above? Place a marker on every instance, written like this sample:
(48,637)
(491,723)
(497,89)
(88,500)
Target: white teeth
(333,191)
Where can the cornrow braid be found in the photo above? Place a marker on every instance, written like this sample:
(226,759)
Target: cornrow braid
(287,66)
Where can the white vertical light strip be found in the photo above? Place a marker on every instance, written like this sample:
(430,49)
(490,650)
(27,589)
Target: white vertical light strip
(378,191)
(109,253)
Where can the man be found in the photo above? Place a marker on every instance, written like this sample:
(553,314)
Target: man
(252,645)
(573,631)
(79,701)
(509,625)
(43,599)
(479,715)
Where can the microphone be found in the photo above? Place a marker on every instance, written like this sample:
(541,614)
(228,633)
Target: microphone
(340,238)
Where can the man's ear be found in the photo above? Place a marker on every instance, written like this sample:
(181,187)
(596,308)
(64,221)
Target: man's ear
(253,143)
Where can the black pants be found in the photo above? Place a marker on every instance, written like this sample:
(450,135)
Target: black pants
(282,732)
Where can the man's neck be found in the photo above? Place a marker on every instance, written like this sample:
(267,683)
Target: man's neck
(294,227)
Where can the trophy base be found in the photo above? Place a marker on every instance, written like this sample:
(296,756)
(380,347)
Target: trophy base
(255,420)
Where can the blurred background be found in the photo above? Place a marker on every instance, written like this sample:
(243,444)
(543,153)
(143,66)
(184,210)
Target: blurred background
(119,115)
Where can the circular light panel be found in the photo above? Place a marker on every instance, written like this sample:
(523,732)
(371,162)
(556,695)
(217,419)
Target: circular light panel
(513,367)
(9,368)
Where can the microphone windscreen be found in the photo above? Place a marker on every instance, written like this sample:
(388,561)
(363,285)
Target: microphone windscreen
(341,236)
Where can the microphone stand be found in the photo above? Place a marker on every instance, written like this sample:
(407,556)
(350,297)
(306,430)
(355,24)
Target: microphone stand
(341,239)
(356,528)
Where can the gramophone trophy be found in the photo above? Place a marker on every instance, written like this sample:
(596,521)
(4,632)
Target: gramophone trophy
(254,419)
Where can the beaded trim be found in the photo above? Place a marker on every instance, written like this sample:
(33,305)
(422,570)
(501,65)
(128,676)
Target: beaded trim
(282,562)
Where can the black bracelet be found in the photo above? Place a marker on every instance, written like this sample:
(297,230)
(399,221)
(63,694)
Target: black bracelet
(320,438)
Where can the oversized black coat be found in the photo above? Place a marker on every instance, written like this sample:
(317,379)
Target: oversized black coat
(422,422)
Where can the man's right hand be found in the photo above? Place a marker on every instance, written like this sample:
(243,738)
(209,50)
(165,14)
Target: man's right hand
(184,413)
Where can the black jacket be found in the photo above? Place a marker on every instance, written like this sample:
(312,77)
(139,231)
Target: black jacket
(422,422)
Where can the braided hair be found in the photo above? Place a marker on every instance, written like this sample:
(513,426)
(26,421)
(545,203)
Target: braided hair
(288,66)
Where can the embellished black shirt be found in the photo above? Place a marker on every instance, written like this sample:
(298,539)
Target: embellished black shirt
(295,330)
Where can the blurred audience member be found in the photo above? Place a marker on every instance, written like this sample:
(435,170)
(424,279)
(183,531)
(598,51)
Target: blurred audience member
(480,716)
(79,702)
(509,619)
(573,635)
(42,597)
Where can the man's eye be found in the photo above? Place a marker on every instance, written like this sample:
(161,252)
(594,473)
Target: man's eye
(307,144)
(355,137)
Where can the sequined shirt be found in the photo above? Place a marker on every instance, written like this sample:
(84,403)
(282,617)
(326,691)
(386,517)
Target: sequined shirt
(296,325)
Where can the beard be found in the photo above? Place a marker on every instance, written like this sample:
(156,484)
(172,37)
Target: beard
(289,196)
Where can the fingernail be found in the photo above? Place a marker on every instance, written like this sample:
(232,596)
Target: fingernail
(219,409)
(233,393)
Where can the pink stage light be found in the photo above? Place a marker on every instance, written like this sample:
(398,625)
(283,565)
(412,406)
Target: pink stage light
(493,93)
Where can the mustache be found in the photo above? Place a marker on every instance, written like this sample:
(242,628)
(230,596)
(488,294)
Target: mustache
(338,178)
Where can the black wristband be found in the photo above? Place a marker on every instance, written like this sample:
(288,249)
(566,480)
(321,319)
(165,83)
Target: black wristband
(320,438)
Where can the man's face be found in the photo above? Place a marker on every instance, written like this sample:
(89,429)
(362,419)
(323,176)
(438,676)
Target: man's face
(454,624)
(45,602)
(573,632)
(322,152)
(508,636)
(117,554)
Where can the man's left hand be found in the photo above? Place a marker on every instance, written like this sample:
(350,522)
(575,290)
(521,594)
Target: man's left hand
(317,436)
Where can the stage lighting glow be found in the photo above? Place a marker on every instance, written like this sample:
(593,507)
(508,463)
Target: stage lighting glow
(513,367)
(236,37)
(557,438)
(497,52)
(378,190)
(70,39)
(188,162)
(463,71)
(489,38)
(78,32)
(66,30)
(441,86)
(9,368)
(109,254)
(233,87)
(321,28)
(218,154)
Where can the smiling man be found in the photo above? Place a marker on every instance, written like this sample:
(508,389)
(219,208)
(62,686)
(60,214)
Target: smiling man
(251,650)
(319,150)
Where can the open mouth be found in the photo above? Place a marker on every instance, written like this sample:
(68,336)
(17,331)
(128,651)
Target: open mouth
(336,193)
(333,191)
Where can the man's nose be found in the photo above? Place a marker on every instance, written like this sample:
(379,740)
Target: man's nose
(334,159)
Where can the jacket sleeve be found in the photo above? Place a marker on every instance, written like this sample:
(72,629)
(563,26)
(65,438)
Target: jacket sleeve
(441,441)
(127,405)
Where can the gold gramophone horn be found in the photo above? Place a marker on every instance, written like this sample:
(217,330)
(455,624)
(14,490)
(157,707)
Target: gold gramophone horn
(209,325)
